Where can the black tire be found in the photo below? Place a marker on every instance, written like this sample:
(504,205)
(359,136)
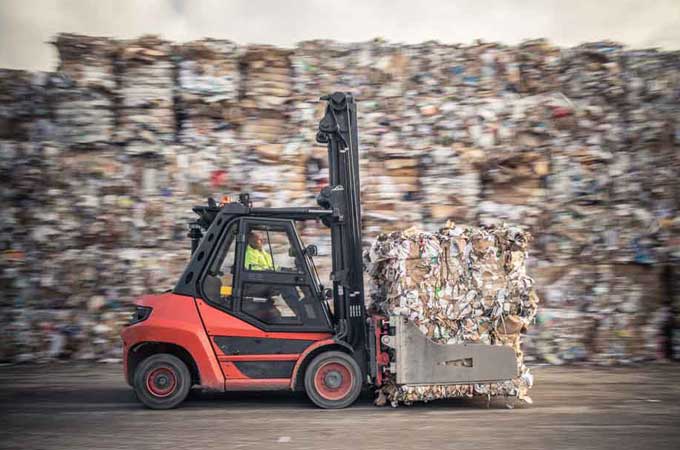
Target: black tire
(333,380)
(162,381)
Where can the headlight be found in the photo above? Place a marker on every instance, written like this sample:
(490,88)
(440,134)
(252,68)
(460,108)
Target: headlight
(140,314)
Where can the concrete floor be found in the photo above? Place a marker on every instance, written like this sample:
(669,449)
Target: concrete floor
(88,407)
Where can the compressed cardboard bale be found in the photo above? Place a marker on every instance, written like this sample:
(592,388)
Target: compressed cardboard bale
(208,83)
(391,184)
(515,178)
(315,68)
(561,336)
(579,174)
(490,69)
(592,69)
(274,174)
(644,193)
(89,61)
(537,64)
(434,64)
(371,69)
(651,78)
(513,188)
(573,232)
(208,70)
(82,94)
(461,284)
(24,113)
(147,84)
(571,285)
(267,79)
(391,172)
(600,313)
(629,316)
(386,67)
(83,117)
(451,183)
(209,123)
(263,125)
(462,71)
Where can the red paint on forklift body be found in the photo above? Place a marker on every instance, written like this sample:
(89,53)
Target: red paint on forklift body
(174,320)
(192,324)
(220,323)
(382,358)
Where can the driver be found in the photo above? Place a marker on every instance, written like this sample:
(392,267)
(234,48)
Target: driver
(257,258)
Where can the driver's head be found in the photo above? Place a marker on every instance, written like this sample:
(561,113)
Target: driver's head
(255,240)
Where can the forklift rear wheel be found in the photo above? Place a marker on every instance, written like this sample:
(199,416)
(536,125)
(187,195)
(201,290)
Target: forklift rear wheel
(333,380)
(162,381)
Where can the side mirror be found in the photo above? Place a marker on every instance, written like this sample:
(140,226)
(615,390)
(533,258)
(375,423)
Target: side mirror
(328,294)
(311,250)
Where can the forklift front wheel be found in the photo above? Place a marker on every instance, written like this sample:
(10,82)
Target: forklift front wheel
(333,380)
(162,381)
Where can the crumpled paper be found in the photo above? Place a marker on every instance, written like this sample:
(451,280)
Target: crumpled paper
(460,284)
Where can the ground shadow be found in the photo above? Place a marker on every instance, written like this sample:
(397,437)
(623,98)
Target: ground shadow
(93,397)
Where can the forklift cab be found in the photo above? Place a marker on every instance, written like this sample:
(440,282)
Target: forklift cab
(261,273)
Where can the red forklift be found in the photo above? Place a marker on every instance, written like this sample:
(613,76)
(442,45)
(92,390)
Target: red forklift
(249,311)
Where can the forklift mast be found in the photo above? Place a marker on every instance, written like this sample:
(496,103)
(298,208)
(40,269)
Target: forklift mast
(338,130)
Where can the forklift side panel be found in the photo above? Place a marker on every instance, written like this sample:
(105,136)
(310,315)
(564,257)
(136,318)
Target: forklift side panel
(252,358)
(175,320)
(220,323)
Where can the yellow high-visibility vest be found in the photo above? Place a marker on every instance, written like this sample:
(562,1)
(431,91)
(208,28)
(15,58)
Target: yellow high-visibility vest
(258,259)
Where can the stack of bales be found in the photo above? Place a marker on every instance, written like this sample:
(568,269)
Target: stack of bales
(147,83)
(82,92)
(208,84)
(577,145)
(272,158)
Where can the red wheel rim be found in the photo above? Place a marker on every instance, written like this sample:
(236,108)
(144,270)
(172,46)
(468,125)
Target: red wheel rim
(161,381)
(333,380)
